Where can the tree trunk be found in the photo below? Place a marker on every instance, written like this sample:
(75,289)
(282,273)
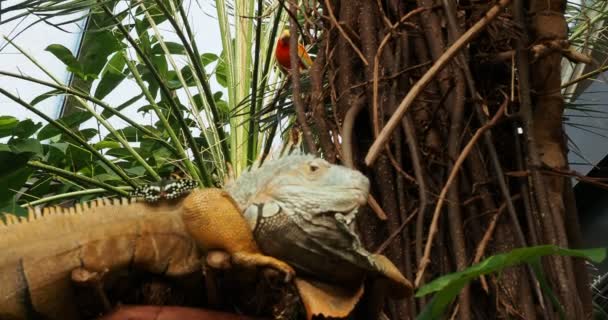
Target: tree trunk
(375,53)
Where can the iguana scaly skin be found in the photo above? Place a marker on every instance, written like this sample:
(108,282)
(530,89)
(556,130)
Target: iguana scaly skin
(39,253)
(301,210)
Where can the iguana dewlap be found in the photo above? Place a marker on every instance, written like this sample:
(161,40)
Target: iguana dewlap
(301,210)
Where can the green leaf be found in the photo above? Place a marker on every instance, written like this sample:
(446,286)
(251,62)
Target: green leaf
(160,63)
(100,45)
(72,120)
(31,146)
(448,286)
(105,144)
(173,47)
(221,73)
(61,146)
(46,95)
(104,177)
(26,128)
(65,55)
(107,114)
(207,58)
(77,157)
(7,124)
(111,76)
(188,75)
(222,107)
(14,172)
(11,206)
(136,171)
(87,133)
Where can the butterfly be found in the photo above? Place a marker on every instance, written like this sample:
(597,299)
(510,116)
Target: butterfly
(164,190)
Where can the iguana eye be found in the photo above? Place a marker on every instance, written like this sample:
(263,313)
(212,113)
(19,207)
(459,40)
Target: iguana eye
(313,167)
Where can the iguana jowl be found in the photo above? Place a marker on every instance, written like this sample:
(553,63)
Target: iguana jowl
(301,210)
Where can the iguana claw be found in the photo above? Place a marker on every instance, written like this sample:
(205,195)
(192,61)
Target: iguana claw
(253,260)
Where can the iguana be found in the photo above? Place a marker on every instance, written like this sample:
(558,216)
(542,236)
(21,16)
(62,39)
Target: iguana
(301,210)
(38,254)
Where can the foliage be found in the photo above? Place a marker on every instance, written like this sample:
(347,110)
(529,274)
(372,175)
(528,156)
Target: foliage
(447,287)
(193,131)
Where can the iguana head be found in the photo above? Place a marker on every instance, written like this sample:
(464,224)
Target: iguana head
(302,184)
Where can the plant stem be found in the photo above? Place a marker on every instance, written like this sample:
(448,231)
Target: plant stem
(106,124)
(178,144)
(72,135)
(68,195)
(98,102)
(163,87)
(74,176)
(253,125)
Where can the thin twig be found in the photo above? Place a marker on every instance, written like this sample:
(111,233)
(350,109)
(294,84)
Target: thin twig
(347,150)
(386,132)
(481,247)
(463,155)
(297,91)
(344,34)
(395,233)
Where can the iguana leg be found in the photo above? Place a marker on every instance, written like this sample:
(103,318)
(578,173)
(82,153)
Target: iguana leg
(251,260)
(93,280)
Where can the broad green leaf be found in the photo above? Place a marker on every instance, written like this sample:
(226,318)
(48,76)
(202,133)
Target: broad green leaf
(448,286)
(221,72)
(173,82)
(65,55)
(7,124)
(61,146)
(77,157)
(31,146)
(207,58)
(136,171)
(70,121)
(141,26)
(101,44)
(111,76)
(105,177)
(11,206)
(160,63)
(173,47)
(46,95)
(26,128)
(120,153)
(87,133)
(107,114)
(188,75)
(105,144)
(14,172)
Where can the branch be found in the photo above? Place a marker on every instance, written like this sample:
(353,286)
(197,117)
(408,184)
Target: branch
(392,123)
(463,155)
